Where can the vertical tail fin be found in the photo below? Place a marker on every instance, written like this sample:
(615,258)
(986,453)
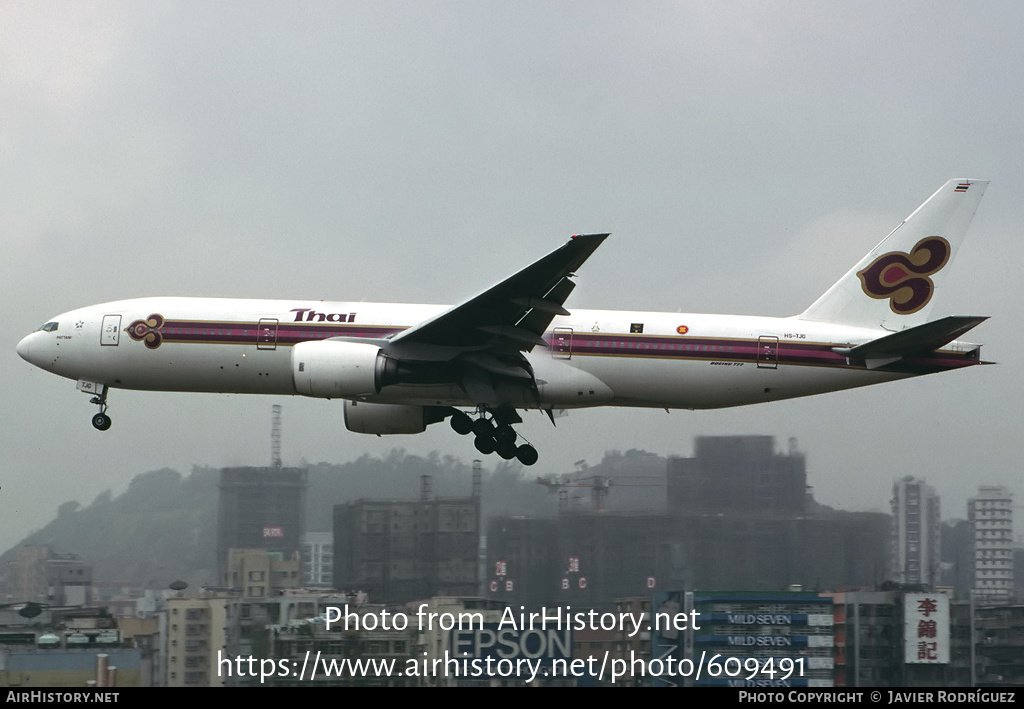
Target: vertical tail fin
(892,287)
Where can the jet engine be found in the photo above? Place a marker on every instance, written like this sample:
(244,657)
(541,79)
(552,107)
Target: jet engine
(380,419)
(335,369)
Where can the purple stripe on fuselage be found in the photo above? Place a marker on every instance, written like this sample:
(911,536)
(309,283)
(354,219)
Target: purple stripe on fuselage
(583,344)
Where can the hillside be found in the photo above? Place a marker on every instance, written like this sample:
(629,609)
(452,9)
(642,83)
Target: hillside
(164,526)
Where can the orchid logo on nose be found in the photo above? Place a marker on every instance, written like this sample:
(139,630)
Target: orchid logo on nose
(148,331)
(904,278)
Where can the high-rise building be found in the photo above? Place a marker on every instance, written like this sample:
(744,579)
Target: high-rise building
(741,475)
(317,559)
(991,518)
(586,559)
(193,631)
(260,508)
(403,551)
(915,533)
(739,516)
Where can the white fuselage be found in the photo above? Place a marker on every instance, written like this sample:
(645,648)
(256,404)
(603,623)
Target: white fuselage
(515,345)
(593,358)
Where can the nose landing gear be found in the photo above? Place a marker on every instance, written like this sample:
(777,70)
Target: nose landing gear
(101,421)
(495,435)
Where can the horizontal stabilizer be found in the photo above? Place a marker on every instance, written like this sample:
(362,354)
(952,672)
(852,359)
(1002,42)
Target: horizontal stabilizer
(923,338)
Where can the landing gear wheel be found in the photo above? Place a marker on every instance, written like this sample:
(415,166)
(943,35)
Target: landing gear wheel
(483,427)
(505,436)
(101,422)
(507,450)
(461,423)
(526,454)
(485,444)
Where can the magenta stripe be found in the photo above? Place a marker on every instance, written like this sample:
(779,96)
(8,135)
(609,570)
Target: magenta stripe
(583,344)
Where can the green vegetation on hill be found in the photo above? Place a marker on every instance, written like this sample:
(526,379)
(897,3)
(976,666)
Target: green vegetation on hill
(164,526)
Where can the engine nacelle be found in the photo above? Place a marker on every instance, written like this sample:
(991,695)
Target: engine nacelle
(381,419)
(335,369)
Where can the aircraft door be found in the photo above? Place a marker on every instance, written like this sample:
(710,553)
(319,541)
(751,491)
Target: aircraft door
(110,332)
(767,352)
(266,336)
(561,345)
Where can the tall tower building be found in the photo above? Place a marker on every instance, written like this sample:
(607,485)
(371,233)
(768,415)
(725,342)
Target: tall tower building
(739,475)
(991,518)
(915,532)
(261,508)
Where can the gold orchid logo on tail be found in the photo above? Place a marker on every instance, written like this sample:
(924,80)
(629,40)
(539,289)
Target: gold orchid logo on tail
(905,278)
(148,331)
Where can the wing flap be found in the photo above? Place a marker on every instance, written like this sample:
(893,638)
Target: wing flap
(537,319)
(541,305)
(516,334)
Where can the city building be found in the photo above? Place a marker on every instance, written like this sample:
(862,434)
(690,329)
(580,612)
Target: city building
(260,508)
(739,516)
(475,642)
(1000,650)
(901,637)
(990,514)
(739,475)
(257,573)
(627,642)
(318,559)
(915,533)
(46,576)
(756,639)
(402,551)
(43,666)
(193,631)
(48,646)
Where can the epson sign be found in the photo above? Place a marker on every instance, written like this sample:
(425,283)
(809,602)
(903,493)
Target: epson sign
(507,643)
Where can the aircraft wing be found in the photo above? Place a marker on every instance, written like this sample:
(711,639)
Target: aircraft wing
(506,319)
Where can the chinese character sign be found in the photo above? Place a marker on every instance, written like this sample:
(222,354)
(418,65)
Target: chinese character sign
(926,628)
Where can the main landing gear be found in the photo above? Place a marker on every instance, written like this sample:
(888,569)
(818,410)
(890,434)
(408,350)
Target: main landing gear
(494,435)
(101,421)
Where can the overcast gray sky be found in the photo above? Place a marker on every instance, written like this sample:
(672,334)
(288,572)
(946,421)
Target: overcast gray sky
(743,154)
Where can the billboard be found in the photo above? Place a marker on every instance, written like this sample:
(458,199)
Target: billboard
(926,628)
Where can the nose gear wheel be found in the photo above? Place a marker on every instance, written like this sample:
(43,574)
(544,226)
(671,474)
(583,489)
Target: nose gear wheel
(101,421)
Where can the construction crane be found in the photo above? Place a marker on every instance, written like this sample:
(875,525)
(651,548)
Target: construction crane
(600,485)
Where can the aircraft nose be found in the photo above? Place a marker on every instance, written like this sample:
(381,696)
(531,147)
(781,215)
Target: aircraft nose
(25,348)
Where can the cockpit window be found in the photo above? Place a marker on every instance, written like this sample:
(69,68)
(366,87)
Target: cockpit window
(49,327)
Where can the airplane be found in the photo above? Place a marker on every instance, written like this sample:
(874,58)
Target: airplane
(399,368)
